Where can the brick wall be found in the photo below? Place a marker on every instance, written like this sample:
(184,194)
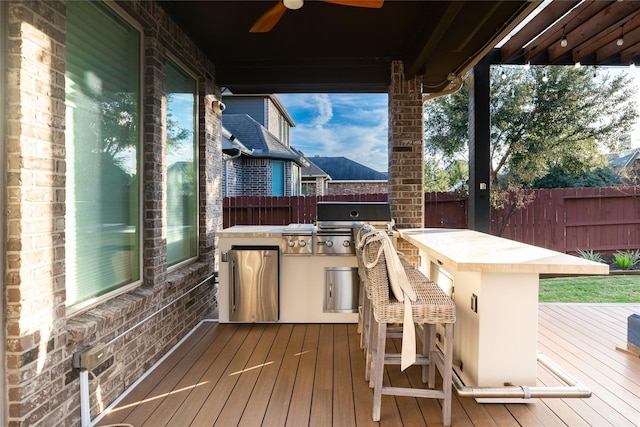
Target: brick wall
(317,187)
(42,387)
(350,188)
(256,177)
(314,188)
(406,152)
(232,176)
(288,179)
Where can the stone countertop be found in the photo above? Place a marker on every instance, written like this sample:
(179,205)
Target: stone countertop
(468,250)
(252,231)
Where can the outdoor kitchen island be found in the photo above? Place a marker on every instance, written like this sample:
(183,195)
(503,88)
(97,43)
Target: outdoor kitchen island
(494,283)
(297,273)
(303,291)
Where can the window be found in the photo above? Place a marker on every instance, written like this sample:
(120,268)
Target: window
(296,180)
(103,143)
(277,178)
(182,181)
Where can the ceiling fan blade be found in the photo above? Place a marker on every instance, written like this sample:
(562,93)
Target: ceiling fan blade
(372,4)
(269,19)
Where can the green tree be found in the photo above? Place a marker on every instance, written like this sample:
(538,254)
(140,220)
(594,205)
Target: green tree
(436,177)
(557,118)
(440,178)
(599,177)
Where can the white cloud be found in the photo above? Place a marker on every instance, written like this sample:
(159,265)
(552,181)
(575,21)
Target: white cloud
(324,110)
(348,125)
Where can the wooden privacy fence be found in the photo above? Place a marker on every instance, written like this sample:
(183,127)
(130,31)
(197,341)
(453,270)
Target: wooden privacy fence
(263,210)
(603,220)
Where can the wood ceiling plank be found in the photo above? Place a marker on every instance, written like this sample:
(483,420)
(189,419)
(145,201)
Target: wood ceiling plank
(605,37)
(413,65)
(577,17)
(536,26)
(631,51)
(610,18)
(609,50)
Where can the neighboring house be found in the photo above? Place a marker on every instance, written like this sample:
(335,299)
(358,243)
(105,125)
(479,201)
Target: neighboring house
(265,167)
(315,181)
(627,165)
(342,176)
(265,109)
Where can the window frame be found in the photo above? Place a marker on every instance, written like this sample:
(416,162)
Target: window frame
(196,141)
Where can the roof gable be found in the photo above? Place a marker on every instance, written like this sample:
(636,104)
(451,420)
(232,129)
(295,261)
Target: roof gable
(256,137)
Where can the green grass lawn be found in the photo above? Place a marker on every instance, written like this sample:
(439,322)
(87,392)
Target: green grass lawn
(590,289)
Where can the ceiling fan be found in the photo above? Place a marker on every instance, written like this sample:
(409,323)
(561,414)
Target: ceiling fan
(271,17)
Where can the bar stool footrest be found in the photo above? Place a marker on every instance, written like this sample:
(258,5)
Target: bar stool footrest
(413,392)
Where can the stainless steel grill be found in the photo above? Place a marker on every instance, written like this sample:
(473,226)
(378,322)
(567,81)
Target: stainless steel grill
(345,216)
(334,228)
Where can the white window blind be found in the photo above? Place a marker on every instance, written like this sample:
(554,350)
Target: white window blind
(103,120)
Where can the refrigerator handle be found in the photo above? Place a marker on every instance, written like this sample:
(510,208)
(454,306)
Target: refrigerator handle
(233,284)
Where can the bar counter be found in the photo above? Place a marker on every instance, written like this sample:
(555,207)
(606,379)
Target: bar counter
(494,283)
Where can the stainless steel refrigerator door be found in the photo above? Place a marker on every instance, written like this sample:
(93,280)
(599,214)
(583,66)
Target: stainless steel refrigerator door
(254,280)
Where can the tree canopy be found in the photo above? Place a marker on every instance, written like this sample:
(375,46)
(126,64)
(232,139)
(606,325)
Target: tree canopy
(555,119)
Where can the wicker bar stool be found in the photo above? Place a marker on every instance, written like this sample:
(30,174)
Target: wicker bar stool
(364,318)
(430,307)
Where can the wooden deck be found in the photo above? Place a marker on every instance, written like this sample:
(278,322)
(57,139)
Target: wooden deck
(313,374)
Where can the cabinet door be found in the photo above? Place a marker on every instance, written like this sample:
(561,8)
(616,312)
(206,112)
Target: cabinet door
(253,293)
(341,290)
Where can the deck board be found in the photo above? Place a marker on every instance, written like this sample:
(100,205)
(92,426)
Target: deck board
(313,374)
(322,405)
(261,394)
(277,410)
(300,405)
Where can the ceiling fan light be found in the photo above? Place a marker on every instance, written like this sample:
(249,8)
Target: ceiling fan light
(293,4)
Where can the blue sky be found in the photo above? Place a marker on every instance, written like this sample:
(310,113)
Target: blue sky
(348,125)
(355,125)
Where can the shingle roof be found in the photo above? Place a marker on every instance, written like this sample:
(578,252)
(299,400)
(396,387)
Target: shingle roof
(343,169)
(313,170)
(256,137)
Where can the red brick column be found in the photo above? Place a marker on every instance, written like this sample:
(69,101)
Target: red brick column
(406,152)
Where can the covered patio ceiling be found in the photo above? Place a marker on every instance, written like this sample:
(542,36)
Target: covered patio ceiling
(328,47)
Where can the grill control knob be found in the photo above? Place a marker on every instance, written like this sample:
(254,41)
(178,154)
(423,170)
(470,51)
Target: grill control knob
(329,243)
(346,243)
(291,243)
(302,243)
